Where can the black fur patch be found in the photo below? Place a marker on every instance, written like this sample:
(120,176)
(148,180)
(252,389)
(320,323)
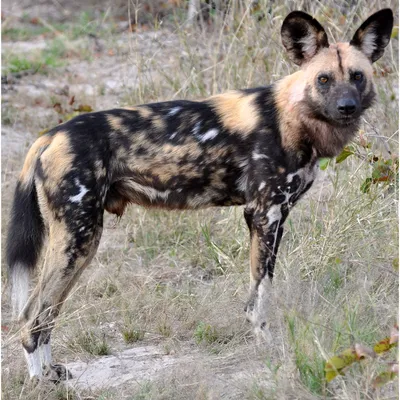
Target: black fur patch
(380,26)
(26,228)
(295,28)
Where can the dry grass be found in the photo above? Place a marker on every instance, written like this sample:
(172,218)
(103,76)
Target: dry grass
(179,279)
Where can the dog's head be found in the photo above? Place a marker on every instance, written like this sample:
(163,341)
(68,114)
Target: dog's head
(338,77)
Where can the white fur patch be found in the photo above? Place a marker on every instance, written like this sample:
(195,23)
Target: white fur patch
(20,278)
(306,174)
(262,186)
(242,181)
(211,134)
(297,92)
(309,45)
(368,45)
(196,128)
(82,191)
(173,135)
(258,315)
(258,156)
(148,191)
(264,293)
(174,111)
(45,352)
(274,214)
(34,364)
(290,177)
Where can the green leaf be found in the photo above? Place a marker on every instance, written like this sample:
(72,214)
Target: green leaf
(346,152)
(44,131)
(383,345)
(366,185)
(84,108)
(69,116)
(335,365)
(383,171)
(324,163)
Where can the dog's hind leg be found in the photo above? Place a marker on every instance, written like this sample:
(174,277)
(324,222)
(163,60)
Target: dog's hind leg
(74,234)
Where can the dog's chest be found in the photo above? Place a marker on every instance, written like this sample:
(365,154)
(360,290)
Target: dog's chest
(292,186)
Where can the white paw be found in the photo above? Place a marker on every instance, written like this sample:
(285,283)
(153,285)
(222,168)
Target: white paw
(262,333)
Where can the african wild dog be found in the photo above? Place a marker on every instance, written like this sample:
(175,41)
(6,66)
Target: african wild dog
(256,147)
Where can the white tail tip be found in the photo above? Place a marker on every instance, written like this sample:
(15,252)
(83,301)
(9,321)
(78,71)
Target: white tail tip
(20,282)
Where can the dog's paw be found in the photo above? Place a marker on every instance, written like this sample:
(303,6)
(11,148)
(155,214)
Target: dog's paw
(262,333)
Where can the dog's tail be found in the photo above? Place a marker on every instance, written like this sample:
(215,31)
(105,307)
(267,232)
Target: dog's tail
(25,231)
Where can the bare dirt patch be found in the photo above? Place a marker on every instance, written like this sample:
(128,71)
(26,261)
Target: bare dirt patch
(151,363)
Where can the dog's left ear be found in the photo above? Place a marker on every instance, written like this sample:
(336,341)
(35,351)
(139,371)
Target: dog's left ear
(303,37)
(374,34)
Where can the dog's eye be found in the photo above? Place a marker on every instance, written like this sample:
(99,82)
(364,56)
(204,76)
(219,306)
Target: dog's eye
(323,79)
(358,76)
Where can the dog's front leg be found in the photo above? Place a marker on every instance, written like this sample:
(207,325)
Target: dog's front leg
(265,221)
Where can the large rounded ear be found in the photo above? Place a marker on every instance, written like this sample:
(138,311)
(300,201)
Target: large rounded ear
(303,36)
(374,34)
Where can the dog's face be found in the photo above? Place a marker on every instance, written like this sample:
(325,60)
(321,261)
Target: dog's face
(338,77)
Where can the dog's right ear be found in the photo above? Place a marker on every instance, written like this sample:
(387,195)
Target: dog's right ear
(303,37)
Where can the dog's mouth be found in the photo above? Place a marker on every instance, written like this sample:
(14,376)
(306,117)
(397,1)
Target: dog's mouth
(342,120)
(334,118)
(347,119)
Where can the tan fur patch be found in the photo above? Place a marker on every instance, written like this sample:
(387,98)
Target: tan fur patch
(237,111)
(354,59)
(100,170)
(169,171)
(159,123)
(115,122)
(144,112)
(175,153)
(59,239)
(327,60)
(290,91)
(217,177)
(130,108)
(55,256)
(57,159)
(28,169)
(43,203)
(215,153)
(163,162)
(54,284)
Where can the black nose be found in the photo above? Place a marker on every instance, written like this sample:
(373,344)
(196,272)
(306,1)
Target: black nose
(347,106)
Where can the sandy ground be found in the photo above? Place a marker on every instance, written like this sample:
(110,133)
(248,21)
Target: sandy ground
(148,363)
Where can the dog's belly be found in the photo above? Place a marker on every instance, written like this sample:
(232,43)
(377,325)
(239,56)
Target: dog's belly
(174,186)
(180,197)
